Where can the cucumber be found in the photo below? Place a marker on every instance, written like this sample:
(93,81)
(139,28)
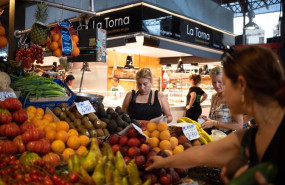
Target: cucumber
(268,169)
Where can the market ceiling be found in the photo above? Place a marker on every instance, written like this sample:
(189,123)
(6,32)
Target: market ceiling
(243,6)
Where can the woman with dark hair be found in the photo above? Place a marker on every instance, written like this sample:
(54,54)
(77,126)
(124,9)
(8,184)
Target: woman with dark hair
(69,80)
(255,85)
(195,97)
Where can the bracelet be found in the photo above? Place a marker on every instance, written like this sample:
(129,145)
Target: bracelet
(217,124)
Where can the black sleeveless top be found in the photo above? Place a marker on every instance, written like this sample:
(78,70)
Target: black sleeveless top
(274,153)
(144,111)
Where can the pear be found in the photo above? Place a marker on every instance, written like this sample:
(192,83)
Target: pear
(109,168)
(107,151)
(75,163)
(95,147)
(120,164)
(84,173)
(98,174)
(134,178)
(117,178)
(89,162)
(70,165)
(125,181)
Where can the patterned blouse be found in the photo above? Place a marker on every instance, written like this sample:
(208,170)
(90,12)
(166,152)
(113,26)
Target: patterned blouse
(220,113)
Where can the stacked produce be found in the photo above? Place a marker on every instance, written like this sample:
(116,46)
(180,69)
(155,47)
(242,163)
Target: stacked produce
(11,67)
(30,55)
(105,168)
(3,39)
(204,136)
(161,139)
(5,82)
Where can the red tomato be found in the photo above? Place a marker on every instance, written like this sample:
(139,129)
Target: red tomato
(10,130)
(5,116)
(12,104)
(20,116)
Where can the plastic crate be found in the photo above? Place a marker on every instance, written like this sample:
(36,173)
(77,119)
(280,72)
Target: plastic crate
(47,102)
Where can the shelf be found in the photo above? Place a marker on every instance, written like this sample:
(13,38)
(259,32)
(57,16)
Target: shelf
(119,66)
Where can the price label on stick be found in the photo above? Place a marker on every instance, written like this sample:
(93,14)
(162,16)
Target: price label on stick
(190,131)
(84,107)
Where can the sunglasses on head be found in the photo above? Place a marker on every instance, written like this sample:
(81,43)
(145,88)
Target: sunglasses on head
(228,54)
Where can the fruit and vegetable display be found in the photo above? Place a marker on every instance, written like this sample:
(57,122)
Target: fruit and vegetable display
(5,82)
(3,39)
(30,55)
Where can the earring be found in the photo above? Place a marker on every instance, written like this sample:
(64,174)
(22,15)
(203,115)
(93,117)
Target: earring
(242,98)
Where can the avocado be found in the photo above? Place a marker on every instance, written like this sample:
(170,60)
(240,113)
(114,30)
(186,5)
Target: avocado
(126,118)
(110,110)
(101,113)
(119,110)
(100,105)
(114,115)
(72,116)
(112,126)
(108,116)
(56,111)
(93,133)
(125,124)
(119,129)
(120,122)
(105,120)
(100,132)
(97,124)
(96,107)
(92,116)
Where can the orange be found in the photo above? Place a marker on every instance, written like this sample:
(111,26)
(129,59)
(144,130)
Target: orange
(62,125)
(156,149)
(75,51)
(164,135)
(53,45)
(74,44)
(178,149)
(49,127)
(181,147)
(75,38)
(3,41)
(151,126)
(59,42)
(73,142)
(146,132)
(48,117)
(2,30)
(165,145)
(72,132)
(37,122)
(31,109)
(40,111)
(45,122)
(51,135)
(162,126)
(57,146)
(155,133)
(31,115)
(55,37)
(81,150)
(173,142)
(61,135)
(153,141)
(57,52)
(67,154)
(38,117)
(84,140)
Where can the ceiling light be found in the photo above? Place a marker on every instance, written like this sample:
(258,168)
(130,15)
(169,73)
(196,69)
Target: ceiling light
(251,25)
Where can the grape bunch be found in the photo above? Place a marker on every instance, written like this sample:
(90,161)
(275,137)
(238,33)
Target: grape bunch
(30,55)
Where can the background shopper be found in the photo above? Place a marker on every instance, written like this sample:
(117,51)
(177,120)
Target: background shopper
(116,86)
(255,85)
(146,104)
(220,116)
(194,98)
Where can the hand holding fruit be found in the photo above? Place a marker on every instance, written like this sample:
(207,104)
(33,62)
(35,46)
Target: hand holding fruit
(210,124)
(155,162)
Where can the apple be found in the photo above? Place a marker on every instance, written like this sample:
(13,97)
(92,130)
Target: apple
(182,139)
(127,159)
(163,153)
(133,151)
(140,160)
(181,172)
(124,140)
(142,139)
(115,148)
(132,132)
(124,150)
(114,139)
(160,172)
(134,142)
(150,176)
(144,149)
(174,176)
(165,179)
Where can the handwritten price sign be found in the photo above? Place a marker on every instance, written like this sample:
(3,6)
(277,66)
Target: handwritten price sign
(5,95)
(190,131)
(84,107)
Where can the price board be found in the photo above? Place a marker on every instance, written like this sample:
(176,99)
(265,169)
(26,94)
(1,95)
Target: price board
(84,107)
(190,131)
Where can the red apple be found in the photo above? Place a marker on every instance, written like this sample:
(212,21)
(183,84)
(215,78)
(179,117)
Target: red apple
(140,160)
(163,153)
(124,140)
(115,148)
(160,172)
(144,149)
(133,151)
(151,153)
(134,142)
(132,132)
(114,139)
(165,179)
(142,139)
(181,172)
(127,159)
(150,176)
(124,150)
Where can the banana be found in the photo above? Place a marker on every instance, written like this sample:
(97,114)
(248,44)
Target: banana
(180,120)
(207,136)
(203,140)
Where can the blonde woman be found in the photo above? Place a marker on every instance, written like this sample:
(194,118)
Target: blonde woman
(146,104)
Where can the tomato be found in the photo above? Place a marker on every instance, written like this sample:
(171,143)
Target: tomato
(41,147)
(8,147)
(5,116)
(73,177)
(10,130)
(20,116)
(26,126)
(52,158)
(32,134)
(12,104)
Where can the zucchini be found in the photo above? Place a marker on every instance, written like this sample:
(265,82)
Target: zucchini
(268,169)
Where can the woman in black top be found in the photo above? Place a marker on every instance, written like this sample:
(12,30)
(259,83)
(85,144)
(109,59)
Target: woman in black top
(195,97)
(146,104)
(255,85)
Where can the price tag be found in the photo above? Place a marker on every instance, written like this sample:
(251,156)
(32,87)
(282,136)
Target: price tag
(84,107)
(5,95)
(190,131)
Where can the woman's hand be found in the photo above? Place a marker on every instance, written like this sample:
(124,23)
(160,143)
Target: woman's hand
(209,124)
(155,162)
(188,107)
(203,117)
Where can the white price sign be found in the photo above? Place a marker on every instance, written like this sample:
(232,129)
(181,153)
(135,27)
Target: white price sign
(190,131)
(84,107)
(5,95)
